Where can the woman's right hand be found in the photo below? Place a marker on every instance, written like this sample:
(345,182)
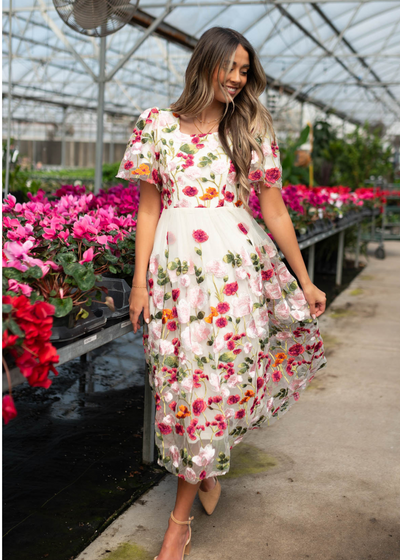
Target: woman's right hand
(138,300)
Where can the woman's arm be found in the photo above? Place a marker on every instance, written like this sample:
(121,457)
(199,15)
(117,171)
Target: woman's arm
(277,220)
(147,219)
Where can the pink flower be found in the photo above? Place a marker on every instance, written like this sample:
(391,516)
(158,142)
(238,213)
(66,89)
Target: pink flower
(15,286)
(267,274)
(276,376)
(196,297)
(233,399)
(199,235)
(128,165)
(242,305)
(190,191)
(180,430)
(255,175)
(164,428)
(221,322)
(174,451)
(205,456)
(296,350)
(296,396)
(223,307)
(171,325)
(272,175)
(199,406)
(231,288)
(88,256)
(240,413)
(218,268)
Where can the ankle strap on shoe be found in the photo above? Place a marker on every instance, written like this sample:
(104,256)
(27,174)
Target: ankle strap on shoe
(181,522)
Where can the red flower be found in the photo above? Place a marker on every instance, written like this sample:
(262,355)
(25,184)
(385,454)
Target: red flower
(229,196)
(233,399)
(190,191)
(9,339)
(202,475)
(128,165)
(260,383)
(171,325)
(172,406)
(231,288)
(175,294)
(180,430)
(9,410)
(240,413)
(296,396)
(199,235)
(272,175)
(230,345)
(223,307)
(164,428)
(296,350)
(267,274)
(221,322)
(243,228)
(255,175)
(198,406)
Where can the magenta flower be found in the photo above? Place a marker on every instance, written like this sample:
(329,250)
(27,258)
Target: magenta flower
(243,228)
(296,350)
(223,307)
(88,256)
(164,428)
(221,322)
(233,399)
(190,191)
(15,286)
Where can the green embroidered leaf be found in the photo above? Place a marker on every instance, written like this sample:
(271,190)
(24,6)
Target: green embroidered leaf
(227,357)
(171,361)
(188,149)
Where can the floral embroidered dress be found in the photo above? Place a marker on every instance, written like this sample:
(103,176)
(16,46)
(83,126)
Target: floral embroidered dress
(231,343)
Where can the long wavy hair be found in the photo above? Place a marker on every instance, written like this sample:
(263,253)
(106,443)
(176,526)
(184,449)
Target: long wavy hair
(245,119)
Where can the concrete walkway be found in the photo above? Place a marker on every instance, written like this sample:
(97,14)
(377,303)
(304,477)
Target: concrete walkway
(323,482)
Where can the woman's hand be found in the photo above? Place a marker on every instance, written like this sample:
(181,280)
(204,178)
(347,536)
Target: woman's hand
(138,300)
(316,299)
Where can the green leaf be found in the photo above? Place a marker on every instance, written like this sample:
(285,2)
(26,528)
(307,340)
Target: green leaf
(227,357)
(14,328)
(7,307)
(171,361)
(62,306)
(12,273)
(84,277)
(188,149)
(83,314)
(112,269)
(33,272)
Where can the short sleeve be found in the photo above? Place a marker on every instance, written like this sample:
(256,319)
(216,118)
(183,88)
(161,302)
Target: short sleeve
(141,157)
(268,171)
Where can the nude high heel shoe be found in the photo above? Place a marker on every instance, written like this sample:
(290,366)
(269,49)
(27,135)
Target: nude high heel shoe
(210,499)
(188,545)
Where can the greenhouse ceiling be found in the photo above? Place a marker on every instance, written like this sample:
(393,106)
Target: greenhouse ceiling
(342,57)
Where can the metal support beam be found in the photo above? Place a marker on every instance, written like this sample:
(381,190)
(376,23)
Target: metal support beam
(98,177)
(148,422)
(140,41)
(9,101)
(63,138)
(311,262)
(339,264)
(357,256)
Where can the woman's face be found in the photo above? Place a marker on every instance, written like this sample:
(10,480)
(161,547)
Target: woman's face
(236,76)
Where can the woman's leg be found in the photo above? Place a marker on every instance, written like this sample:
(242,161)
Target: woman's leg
(177,535)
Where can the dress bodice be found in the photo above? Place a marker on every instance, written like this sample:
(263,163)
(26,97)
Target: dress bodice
(189,170)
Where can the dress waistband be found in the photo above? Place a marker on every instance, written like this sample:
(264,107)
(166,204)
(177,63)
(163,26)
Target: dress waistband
(215,208)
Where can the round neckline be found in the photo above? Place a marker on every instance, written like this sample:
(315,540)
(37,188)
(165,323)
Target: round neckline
(178,118)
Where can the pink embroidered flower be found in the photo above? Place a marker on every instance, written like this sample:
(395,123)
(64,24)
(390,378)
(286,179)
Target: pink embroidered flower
(296,350)
(296,396)
(221,322)
(190,191)
(272,175)
(180,430)
(241,413)
(175,294)
(218,268)
(231,288)
(199,235)
(233,399)
(243,227)
(164,428)
(223,307)
(198,406)
(128,165)
(255,175)
(267,274)
(229,196)
(171,326)
(276,376)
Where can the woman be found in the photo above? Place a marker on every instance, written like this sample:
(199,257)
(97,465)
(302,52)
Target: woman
(232,338)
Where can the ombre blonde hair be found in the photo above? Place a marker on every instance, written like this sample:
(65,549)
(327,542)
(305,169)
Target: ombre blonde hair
(245,119)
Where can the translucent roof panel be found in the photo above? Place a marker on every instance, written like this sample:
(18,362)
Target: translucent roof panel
(341,56)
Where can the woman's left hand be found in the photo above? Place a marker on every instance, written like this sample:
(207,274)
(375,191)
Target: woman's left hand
(316,299)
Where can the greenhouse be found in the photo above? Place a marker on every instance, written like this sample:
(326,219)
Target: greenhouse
(85,85)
